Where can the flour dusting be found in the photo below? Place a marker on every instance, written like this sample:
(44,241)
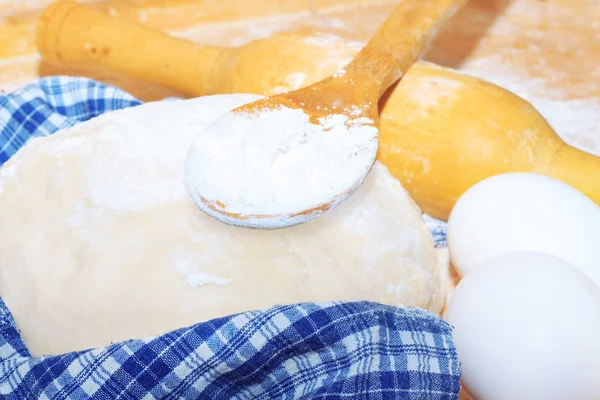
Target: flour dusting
(194,277)
(295,79)
(332,41)
(277,161)
(8,171)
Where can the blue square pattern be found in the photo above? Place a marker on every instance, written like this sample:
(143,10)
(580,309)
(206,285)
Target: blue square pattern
(337,350)
(53,103)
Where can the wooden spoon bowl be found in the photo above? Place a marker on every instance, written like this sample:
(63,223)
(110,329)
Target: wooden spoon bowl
(353,92)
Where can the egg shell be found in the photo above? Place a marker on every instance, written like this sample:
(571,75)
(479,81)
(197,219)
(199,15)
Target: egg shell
(527,326)
(524,211)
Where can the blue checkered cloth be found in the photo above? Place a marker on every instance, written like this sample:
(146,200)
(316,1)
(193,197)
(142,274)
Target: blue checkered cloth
(333,350)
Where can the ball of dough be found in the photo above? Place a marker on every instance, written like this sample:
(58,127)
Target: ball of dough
(102,243)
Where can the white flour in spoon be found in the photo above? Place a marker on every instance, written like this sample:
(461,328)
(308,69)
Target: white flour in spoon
(278,162)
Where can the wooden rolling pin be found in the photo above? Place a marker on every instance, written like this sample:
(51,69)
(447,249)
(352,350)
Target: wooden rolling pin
(441,131)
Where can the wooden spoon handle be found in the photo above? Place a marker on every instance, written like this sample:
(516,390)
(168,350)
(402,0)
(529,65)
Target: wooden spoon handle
(84,38)
(402,38)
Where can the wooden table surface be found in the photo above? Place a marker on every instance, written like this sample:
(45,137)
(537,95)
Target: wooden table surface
(547,51)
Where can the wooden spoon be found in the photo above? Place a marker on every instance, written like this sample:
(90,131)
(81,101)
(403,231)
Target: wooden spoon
(221,160)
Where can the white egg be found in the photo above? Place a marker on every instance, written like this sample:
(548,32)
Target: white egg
(524,211)
(527,326)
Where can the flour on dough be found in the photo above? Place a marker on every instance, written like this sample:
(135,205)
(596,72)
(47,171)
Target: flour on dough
(101,241)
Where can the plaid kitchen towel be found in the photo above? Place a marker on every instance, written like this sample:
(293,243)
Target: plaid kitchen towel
(353,350)
(50,104)
(303,351)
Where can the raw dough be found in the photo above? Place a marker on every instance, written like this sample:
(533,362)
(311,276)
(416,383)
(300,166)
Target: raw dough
(100,242)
